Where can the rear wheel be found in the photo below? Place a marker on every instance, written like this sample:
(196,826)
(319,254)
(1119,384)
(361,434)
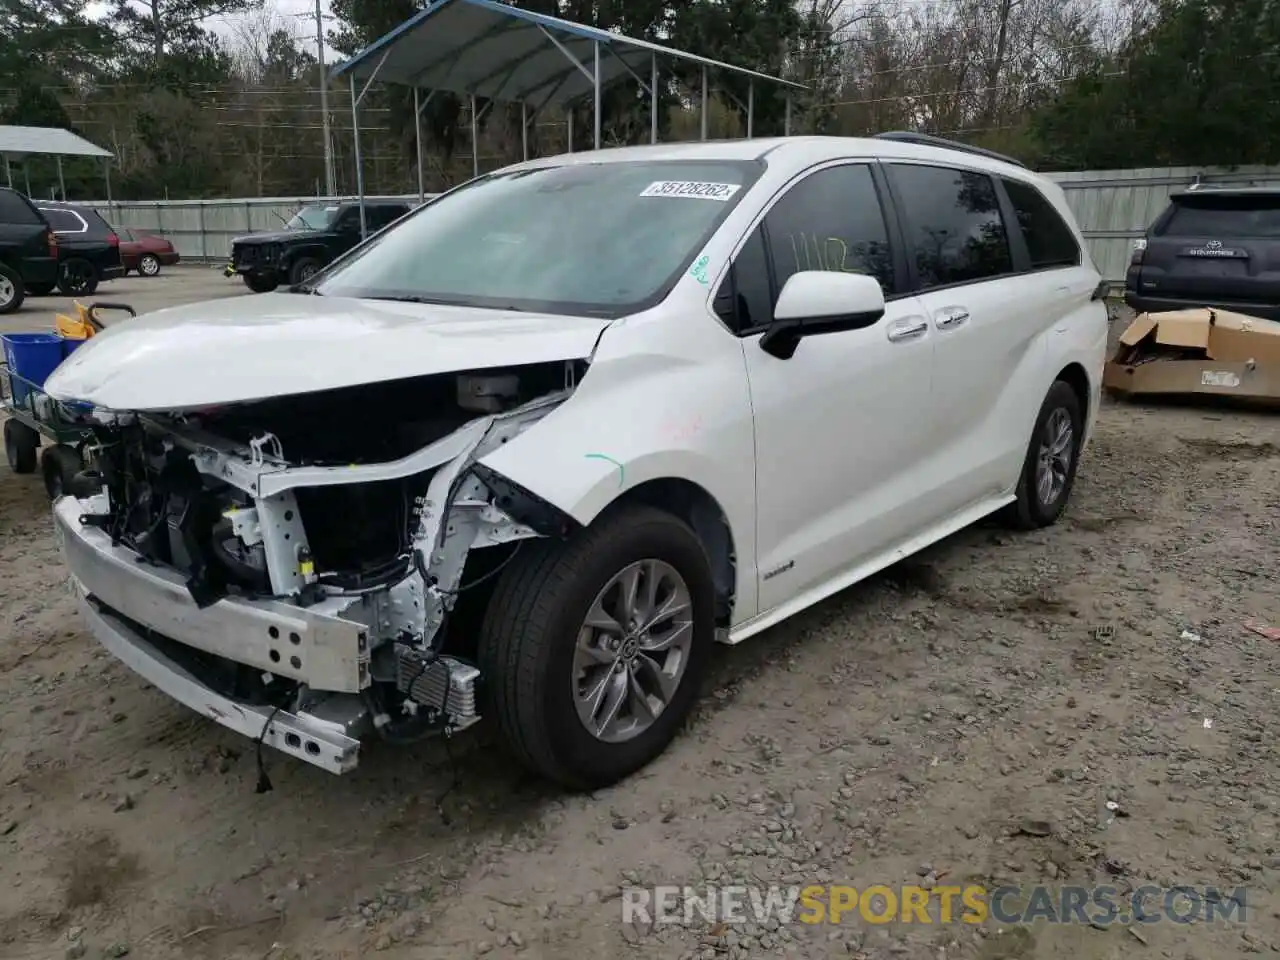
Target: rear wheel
(59,465)
(149,265)
(78,278)
(12,291)
(260,284)
(20,446)
(593,649)
(1049,470)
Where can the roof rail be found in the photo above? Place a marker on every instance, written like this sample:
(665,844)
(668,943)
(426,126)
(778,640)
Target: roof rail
(927,140)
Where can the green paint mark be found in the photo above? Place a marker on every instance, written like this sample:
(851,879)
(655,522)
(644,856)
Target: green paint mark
(699,269)
(621,468)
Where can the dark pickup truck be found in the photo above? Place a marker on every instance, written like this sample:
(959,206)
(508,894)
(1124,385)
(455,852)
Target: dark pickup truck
(311,239)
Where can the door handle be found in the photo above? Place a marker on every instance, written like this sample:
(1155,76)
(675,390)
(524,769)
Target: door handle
(950,317)
(907,328)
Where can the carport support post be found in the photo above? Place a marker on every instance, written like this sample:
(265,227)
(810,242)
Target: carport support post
(475,146)
(653,99)
(568,109)
(8,172)
(355,133)
(595,83)
(62,183)
(786,121)
(417,136)
(26,177)
(704,103)
(524,132)
(751,107)
(108,176)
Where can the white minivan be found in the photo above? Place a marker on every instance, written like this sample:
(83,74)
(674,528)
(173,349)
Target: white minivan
(535,447)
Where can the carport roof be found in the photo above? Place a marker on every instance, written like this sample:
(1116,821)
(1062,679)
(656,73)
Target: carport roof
(18,142)
(492,50)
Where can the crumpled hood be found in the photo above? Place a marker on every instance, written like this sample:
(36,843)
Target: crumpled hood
(279,236)
(276,344)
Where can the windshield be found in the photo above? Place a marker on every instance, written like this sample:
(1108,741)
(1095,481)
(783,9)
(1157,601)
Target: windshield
(589,238)
(314,217)
(1238,216)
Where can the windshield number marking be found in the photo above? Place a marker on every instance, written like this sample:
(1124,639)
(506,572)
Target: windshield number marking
(691,188)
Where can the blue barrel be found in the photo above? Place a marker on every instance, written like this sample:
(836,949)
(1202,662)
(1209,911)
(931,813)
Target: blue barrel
(32,356)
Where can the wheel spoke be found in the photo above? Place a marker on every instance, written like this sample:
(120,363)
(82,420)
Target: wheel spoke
(639,697)
(614,693)
(666,640)
(598,618)
(673,606)
(629,584)
(589,652)
(664,685)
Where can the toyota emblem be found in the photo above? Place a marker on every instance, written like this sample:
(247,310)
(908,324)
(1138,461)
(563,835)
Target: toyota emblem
(1214,244)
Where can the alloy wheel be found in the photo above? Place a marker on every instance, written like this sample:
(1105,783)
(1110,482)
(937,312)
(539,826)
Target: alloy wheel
(7,291)
(1053,462)
(631,652)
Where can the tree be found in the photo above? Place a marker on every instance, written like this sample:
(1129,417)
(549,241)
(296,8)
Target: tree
(1194,87)
(160,27)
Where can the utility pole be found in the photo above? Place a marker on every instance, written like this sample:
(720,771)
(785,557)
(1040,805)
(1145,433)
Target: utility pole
(330,183)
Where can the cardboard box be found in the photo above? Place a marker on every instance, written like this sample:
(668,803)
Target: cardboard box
(1202,352)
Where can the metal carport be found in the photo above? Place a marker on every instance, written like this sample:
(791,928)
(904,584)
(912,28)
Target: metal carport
(18,143)
(485,49)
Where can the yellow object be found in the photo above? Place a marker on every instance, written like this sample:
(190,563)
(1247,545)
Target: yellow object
(74,328)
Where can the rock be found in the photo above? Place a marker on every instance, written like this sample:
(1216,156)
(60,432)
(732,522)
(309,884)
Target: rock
(123,802)
(924,870)
(75,933)
(383,943)
(490,923)
(517,941)
(483,947)
(621,823)
(116,950)
(137,773)
(75,950)
(7,827)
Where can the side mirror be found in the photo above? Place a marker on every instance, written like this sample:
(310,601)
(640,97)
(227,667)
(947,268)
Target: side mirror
(815,302)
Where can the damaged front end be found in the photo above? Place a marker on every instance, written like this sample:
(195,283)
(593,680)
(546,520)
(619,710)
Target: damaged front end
(309,569)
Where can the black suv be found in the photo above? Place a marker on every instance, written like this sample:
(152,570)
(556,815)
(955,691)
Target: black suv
(1212,247)
(88,250)
(315,236)
(28,251)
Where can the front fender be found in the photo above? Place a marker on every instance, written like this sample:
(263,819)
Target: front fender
(649,409)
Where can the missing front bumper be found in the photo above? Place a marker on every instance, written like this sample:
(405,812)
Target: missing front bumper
(328,738)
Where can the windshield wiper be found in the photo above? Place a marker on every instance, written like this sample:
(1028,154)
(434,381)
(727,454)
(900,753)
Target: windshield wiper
(414,298)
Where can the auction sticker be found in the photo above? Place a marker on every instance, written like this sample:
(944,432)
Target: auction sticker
(697,189)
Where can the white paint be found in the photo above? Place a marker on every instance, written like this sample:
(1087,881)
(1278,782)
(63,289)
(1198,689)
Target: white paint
(248,348)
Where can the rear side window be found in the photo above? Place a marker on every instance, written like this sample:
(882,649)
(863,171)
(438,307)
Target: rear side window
(14,209)
(954,230)
(65,221)
(1050,242)
(1239,216)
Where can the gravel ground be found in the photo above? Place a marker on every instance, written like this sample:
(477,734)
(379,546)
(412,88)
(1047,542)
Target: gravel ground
(963,718)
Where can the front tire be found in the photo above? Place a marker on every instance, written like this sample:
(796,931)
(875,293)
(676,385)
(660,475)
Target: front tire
(583,696)
(12,290)
(260,284)
(1049,470)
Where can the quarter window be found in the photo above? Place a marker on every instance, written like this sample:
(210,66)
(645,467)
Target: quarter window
(1050,242)
(955,233)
